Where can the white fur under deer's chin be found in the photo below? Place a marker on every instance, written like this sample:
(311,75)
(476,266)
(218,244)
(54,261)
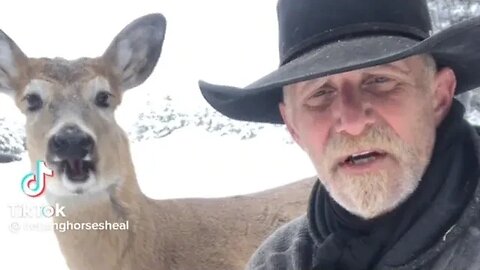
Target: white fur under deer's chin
(62,186)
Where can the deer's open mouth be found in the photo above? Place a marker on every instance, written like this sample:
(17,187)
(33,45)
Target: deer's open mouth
(77,169)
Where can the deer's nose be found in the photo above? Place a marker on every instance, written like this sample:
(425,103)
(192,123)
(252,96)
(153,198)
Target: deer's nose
(71,143)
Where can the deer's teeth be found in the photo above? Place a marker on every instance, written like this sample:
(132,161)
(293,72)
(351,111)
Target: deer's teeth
(88,157)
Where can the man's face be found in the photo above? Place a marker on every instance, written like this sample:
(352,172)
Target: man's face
(370,132)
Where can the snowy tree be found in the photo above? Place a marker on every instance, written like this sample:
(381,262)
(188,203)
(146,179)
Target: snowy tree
(157,120)
(12,140)
(444,13)
(447,12)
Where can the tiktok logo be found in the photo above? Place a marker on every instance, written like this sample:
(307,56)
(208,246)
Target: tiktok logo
(34,184)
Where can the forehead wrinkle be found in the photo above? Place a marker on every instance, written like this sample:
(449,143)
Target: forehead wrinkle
(390,67)
(299,87)
(399,67)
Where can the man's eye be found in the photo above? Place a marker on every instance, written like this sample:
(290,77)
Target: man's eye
(380,84)
(378,80)
(323,93)
(321,97)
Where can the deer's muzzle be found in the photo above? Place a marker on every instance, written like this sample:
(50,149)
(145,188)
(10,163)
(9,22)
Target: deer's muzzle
(72,151)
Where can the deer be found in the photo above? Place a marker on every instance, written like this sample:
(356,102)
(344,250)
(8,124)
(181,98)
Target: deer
(70,124)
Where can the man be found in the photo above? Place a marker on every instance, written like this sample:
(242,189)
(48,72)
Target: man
(368,93)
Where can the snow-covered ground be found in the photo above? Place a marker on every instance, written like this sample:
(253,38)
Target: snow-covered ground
(188,163)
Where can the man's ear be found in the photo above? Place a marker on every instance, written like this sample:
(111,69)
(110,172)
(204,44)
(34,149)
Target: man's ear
(12,65)
(286,116)
(445,84)
(134,52)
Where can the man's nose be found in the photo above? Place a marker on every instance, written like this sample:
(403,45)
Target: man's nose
(352,113)
(71,143)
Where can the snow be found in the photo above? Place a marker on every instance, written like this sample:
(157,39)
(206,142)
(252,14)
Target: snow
(193,162)
(473,117)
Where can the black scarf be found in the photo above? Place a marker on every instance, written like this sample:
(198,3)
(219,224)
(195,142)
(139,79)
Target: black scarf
(347,242)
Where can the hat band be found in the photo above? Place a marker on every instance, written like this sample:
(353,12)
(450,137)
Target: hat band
(349,32)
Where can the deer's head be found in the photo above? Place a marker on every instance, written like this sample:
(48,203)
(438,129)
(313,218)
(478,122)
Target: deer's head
(69,105)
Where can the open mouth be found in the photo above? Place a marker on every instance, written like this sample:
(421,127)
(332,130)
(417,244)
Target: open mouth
(363,158)
(76,170)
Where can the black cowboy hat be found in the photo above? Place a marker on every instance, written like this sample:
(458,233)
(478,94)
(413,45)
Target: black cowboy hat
(324,37)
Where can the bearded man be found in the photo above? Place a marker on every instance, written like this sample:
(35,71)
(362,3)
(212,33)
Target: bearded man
(368,92)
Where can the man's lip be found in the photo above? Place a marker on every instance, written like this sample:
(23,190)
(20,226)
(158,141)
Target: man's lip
(341,160)
(370,166)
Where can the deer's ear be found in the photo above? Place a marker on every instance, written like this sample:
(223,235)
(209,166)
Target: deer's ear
(12,62)
(134,52)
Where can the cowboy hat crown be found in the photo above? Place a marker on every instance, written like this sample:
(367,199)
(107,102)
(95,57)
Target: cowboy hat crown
(307,24)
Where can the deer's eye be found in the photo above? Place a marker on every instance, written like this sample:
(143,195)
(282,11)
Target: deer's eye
(102,99)
(34,102)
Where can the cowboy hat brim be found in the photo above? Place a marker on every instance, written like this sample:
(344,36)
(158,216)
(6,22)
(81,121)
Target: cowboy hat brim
(457,47)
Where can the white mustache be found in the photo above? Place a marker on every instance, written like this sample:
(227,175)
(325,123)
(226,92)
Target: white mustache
(378,138)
